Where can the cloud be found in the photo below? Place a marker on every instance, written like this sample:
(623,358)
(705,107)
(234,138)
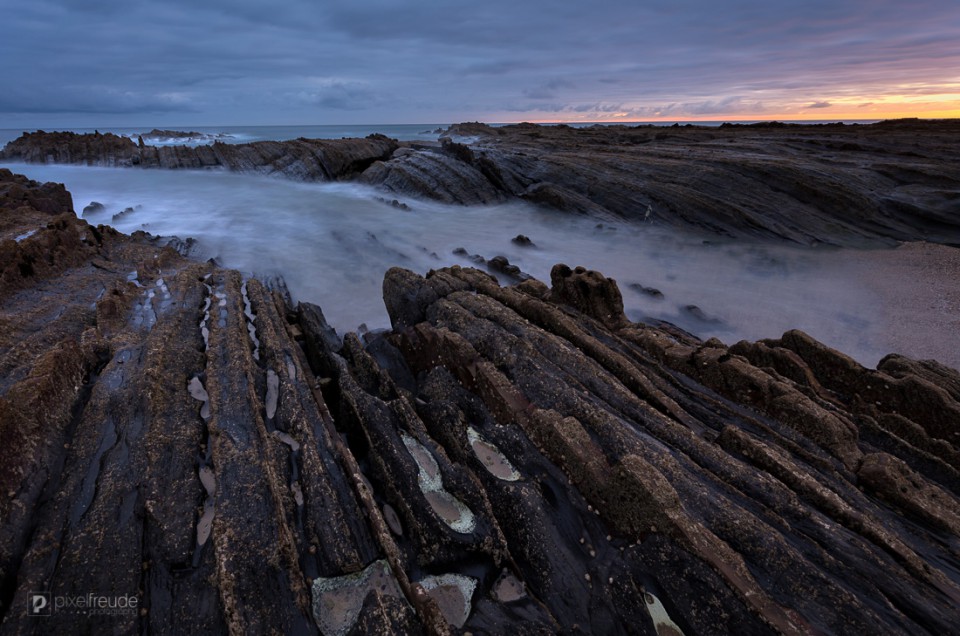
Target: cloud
(246,61)
(92,100)
(339,94)
(547,90)
(498,67)
(820,105)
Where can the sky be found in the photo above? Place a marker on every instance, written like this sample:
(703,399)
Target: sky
(76,63)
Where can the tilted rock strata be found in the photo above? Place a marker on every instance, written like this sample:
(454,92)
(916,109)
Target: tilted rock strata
(303,159)
(505,460)
(834,184)
(829,184)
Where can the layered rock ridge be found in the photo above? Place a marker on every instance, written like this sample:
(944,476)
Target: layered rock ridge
(833,184)
(302,159)
(517,459)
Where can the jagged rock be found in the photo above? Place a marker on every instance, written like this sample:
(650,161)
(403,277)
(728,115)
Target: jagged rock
(590,292)
(95,207)
(653,292)
(502,265)
(67,147)
(303,159)
(506,459)
(834,184)
(432,175)
(700,315)
(122,214)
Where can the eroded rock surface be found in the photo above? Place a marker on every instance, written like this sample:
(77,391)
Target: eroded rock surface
(835,184)
(831,184)
(517,459)
(302,159)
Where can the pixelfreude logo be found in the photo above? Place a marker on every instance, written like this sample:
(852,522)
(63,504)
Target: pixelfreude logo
(47,604)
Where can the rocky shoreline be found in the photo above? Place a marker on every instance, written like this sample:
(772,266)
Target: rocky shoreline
(506,458)
(831,184)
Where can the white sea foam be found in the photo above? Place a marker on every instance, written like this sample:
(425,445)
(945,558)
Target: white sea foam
(199,139)
(333,242)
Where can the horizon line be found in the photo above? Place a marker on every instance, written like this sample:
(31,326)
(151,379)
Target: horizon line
(733,120)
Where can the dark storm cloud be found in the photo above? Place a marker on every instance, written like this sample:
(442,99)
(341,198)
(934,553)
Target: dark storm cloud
(90,100)
(340,95)
(547,90)
(250,61)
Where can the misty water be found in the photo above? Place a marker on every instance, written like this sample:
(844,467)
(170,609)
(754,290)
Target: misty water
(333,242)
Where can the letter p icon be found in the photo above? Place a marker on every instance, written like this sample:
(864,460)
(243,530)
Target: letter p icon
(40,604)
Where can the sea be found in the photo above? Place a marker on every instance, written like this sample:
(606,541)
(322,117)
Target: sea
(247,134)
(332,243)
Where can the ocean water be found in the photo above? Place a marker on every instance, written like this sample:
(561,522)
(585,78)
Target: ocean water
(333,242)
(247,134)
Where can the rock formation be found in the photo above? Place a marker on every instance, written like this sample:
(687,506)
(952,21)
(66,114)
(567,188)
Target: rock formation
(517,459)
(303,159)
(833,184)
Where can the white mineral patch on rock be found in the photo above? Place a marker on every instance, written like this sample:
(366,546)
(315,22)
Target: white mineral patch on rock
(453,594)
(197,391)
(205,525)
(288,440)
(451,510)
(490,456)
(251,327)
(273,392)
(337,601)
(208,480)
(661,619)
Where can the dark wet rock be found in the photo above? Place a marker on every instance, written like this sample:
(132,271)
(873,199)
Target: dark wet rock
(652,292)
(394,203)
(67,147)
(95,207)
(173,134)
(474,258)
(590,292)
(432,175)
(184,247)
(523,240)
(502,265)
(559,198)
(123,214)
(700,315)
(166,136)
(808,184)
(506,459)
